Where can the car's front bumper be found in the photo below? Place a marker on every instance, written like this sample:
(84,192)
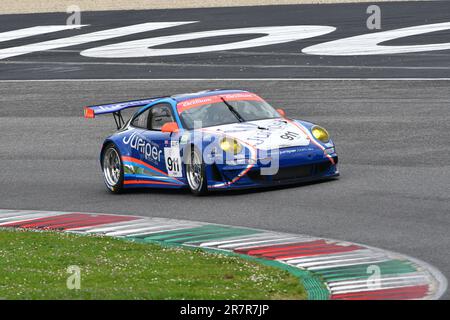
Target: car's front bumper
(288,172)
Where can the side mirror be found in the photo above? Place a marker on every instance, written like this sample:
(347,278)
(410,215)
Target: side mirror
(169,127)
(281,112)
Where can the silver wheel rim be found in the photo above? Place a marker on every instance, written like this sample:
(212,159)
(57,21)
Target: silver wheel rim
(111,167)
(194,171)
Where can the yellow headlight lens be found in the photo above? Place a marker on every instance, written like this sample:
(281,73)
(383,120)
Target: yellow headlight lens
(320,134)
(230,145)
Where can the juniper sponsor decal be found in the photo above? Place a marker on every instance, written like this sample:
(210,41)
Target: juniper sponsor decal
(148,149)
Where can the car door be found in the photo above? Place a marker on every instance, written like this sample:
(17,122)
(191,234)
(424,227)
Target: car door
(134,141)
(163,152)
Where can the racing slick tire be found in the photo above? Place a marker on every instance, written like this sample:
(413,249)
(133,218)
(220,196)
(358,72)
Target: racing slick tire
(195,172)
(112,167)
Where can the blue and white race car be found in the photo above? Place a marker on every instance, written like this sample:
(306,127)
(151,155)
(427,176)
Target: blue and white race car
(211,140)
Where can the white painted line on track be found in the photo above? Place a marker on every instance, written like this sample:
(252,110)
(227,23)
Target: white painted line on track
(251,244)
(349,264)
(149,228)
(143,234)
(239,239)
(199,65)
(113,226)
(334,284)
(381,285)
(359,253)
(17,214)
(25,217)
(339,261)
(128,229)
(383,282)
(367,289)
(228,79)
(9,211)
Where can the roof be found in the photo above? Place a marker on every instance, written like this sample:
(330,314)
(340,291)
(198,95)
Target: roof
(193,95)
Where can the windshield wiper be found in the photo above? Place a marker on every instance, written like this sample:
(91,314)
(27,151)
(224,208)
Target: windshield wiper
(233,111)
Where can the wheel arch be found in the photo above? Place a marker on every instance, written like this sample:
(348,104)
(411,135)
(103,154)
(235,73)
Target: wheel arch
(105,144)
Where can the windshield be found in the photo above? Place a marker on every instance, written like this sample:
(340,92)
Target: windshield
(225,112)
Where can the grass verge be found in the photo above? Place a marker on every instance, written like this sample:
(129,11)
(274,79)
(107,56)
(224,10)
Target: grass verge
(33,265)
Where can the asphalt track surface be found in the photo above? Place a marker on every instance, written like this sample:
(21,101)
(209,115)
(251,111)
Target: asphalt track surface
(274,61)
(392,136)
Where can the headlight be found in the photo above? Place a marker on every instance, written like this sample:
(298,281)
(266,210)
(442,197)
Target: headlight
(320,134)
(230,145)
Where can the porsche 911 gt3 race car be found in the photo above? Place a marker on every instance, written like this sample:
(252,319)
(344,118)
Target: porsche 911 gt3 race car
(211,140)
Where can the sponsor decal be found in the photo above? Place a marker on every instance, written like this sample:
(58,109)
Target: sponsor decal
(192,103)
(184,139)
(109,108)
(149,150)
(267,134)
(296,150)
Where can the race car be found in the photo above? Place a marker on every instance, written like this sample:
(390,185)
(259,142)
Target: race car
(211,140)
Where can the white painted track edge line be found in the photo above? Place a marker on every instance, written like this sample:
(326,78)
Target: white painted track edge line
(356,253)
(344,265)
(362,287)
(346,282)
(236,240)
(383,282)
(333,262)
(226,79)
(159,228)
(368,290)
(18,215)
(26,219)
(250,244)
(111,226)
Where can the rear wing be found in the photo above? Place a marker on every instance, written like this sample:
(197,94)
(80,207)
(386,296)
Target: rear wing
(115,108)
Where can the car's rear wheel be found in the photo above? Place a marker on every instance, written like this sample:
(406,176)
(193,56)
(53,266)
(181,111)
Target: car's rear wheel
(112,168)
(195,173)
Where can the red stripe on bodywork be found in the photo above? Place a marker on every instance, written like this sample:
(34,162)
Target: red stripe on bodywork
(131,159)
(149,182)
(299,249)
(69,221)
(402,293)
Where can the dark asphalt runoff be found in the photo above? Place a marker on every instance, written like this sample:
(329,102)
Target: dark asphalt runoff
(274,61)
(392,138)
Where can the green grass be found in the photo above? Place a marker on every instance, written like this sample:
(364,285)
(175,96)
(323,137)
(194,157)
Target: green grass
(33,265)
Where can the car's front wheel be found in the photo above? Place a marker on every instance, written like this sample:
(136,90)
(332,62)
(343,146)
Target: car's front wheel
(195,172)
(112,168)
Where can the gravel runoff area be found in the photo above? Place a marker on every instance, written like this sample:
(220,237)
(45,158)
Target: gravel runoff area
(33,6)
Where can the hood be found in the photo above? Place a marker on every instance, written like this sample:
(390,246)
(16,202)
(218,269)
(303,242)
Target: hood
(265,134)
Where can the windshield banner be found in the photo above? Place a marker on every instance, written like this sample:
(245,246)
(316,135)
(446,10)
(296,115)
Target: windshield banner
(192,103)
